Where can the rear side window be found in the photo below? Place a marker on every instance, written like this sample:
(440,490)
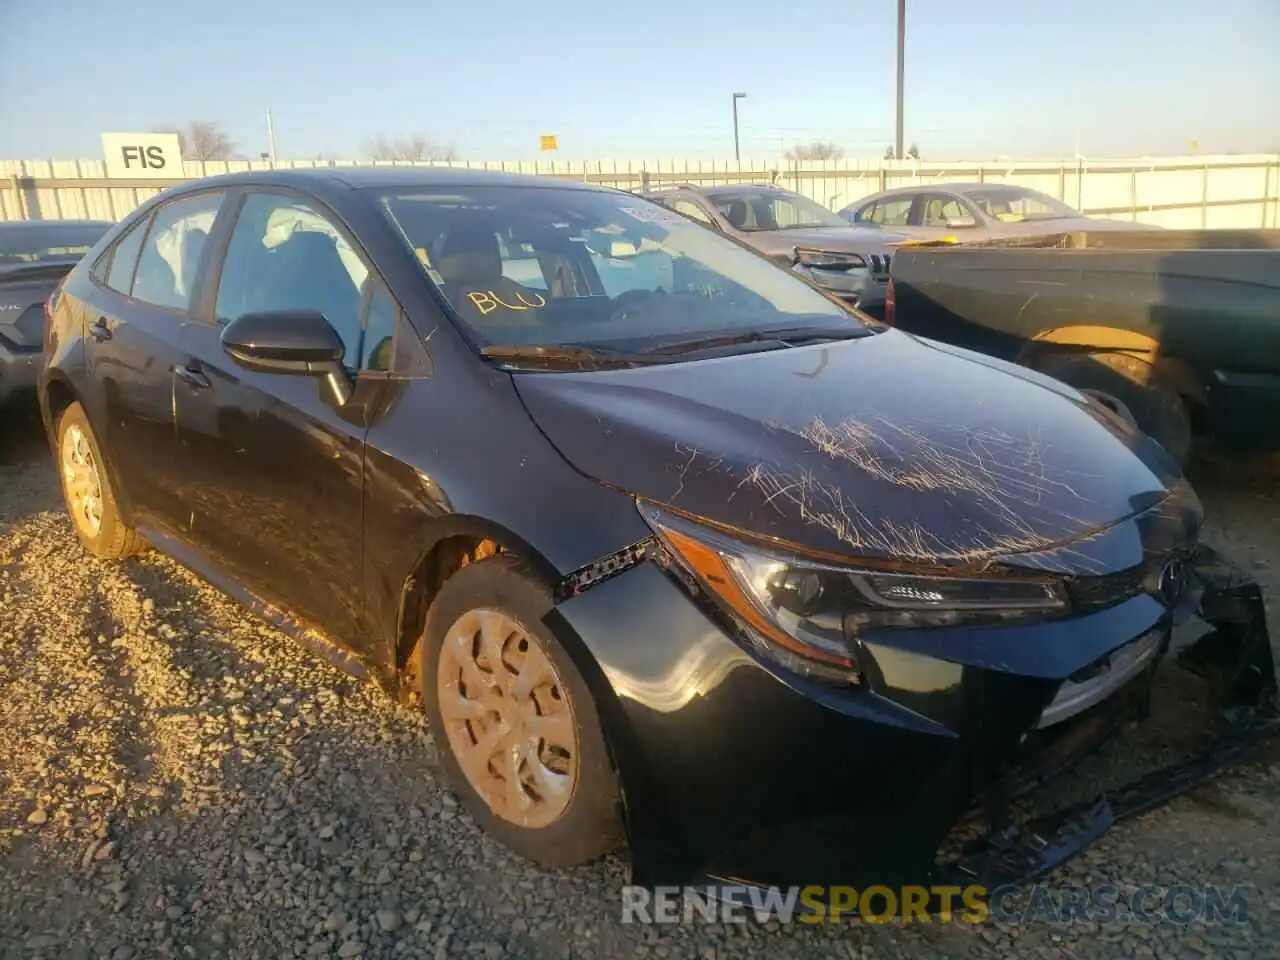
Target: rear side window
(171,257)
(124,258)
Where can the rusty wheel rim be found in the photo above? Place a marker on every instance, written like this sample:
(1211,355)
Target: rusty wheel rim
(508,718)
(81,481)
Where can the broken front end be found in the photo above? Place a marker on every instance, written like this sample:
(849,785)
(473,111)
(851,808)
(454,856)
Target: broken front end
(950,755)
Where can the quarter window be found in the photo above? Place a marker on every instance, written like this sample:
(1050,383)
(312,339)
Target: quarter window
(169,264)
(381,320)
(124,258)
(286,255)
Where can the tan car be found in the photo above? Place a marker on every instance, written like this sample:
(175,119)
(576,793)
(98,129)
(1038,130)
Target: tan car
(974,212)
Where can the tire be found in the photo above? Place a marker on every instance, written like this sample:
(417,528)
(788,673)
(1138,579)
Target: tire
(107,537)
(589,823)
(1129,385)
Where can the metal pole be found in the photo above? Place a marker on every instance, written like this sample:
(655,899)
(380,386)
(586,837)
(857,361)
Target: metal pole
(737,154)
(271,137)
(902,69)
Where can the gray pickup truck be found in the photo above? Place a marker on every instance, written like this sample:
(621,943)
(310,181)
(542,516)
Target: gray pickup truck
(1177,329)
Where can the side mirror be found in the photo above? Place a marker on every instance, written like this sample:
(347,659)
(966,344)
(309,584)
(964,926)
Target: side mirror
(289,342)
(966,220)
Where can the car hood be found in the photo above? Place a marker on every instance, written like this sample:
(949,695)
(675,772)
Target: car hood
(884,446)
(851,239)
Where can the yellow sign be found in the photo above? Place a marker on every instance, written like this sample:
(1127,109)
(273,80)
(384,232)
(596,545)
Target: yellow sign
(548,141)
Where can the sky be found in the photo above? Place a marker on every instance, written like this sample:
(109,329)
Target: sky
(646,80)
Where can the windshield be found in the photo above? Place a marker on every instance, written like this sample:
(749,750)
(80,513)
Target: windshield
(550,266)
(754,211)
(33,244)
(1017,204)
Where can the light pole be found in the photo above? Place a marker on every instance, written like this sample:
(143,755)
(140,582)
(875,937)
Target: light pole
(737,154)
(902,67)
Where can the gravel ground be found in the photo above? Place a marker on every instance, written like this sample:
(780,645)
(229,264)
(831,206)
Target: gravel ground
(178,779)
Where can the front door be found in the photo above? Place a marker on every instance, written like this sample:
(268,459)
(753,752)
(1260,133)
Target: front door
(134,316)
(275,467)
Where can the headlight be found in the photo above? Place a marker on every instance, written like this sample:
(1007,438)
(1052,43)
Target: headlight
(809,615)
(838,271)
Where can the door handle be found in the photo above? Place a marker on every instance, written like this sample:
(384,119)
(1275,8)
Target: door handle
(99,330)
(192,376)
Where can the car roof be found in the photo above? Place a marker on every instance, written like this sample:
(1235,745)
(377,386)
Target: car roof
(325,179)
(962,187)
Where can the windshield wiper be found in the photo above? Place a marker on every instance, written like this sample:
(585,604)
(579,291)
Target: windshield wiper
(787,336)
(562,356)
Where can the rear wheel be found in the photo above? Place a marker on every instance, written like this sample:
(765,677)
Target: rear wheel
(87,490)
(1129,386)
(515,722)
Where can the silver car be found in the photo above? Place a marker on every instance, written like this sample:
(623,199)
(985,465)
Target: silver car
(850,262)
(973,212)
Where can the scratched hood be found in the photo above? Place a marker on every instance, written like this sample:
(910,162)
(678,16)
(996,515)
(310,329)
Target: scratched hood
(885,446)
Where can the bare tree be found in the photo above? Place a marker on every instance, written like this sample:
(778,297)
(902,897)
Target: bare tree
(416,147)
(815,151)
(202,140)
(913,152)
(889,154)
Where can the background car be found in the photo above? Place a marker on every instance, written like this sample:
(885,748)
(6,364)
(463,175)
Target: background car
(797,232)
(34,257)
(651,552)
(973,212)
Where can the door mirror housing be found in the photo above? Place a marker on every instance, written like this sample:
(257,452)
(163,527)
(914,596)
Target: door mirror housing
(962,221)
(289,342)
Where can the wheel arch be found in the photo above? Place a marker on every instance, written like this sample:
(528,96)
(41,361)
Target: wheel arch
(1088,338)
(457,541)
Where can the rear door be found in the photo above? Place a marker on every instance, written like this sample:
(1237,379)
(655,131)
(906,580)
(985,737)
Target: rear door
(143,289)
(273,468)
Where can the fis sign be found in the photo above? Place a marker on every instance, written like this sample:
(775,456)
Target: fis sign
(149,156)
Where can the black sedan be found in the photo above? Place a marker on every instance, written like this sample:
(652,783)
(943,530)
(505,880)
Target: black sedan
(34,257)
(675,549)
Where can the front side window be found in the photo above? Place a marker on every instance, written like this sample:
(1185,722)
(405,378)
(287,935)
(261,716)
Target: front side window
(124,258)
(757,210)
(1016,204)
(599,269)
(286,255)
(170,260)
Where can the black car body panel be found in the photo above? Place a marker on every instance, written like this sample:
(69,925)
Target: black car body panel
(329,513)
(1201,307)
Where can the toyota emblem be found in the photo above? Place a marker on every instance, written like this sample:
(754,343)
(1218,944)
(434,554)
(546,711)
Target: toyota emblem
(1171,583)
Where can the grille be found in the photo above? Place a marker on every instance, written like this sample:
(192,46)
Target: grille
(1097,593)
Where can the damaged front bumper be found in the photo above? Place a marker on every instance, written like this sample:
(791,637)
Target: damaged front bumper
(1233,658)
(735,772)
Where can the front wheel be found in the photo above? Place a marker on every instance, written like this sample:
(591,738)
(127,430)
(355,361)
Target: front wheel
(516,724)
(87,490)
